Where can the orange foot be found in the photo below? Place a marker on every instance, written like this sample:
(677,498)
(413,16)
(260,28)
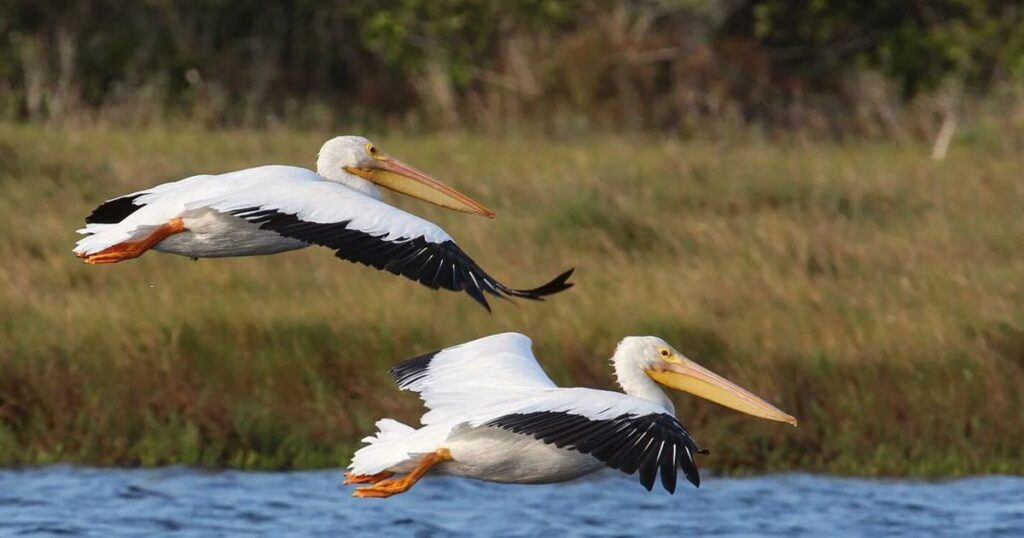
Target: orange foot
(117,253)
(387,488)
(366,478)
(133,249)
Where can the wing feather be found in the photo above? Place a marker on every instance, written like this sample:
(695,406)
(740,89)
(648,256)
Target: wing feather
(114,211)
(652,444)
(473,375)
(295,203)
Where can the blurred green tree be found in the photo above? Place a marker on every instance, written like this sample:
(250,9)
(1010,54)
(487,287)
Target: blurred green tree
(643,63)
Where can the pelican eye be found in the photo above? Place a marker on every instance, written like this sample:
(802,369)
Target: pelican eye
(374,152)
(665,353)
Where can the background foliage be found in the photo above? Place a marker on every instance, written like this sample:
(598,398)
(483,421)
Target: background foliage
(836,66)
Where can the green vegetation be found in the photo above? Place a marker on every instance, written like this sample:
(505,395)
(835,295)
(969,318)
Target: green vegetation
(873,293)
(836,67)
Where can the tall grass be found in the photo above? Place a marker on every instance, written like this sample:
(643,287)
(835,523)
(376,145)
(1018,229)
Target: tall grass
(875,294)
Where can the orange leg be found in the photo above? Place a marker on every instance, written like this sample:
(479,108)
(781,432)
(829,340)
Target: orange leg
(366,478)
(133,249)
(387,488)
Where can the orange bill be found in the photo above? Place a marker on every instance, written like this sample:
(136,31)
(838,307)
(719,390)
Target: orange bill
(397,176)
(685,375)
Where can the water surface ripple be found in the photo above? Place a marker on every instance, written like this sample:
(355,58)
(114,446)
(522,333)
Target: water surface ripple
(74,501)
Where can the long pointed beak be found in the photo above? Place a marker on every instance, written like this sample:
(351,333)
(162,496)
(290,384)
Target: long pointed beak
(691,377)
(397,176)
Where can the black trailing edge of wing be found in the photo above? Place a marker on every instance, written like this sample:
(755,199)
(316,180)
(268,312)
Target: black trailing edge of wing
(651,444)
(412,370)
(113,211)
(435,265)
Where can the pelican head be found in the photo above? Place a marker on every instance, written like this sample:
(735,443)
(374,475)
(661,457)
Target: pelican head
(668,367)
(359,163)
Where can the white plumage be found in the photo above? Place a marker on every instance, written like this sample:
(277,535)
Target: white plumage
(478,374)
(272,209)
(205,203)
(469,386)
(463,387)
(493,414)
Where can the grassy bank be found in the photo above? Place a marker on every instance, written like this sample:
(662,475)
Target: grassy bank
(875,294)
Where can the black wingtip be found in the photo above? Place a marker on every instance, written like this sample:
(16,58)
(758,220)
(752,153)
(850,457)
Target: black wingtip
(473,290)
(691,473)
(690,470)
(113,211)
(558,284)
(411,370)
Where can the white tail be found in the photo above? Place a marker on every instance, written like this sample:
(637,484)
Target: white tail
(384,450)
(101,236)
(389,430)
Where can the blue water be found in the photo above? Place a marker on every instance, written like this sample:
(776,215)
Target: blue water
(70,501)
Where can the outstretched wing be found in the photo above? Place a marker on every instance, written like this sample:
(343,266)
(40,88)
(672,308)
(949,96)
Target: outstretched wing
(473,375)
(647,443)
(624,432)
(293,202)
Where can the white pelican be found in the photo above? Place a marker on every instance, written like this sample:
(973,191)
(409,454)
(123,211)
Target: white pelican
(271,209)
(494,415)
